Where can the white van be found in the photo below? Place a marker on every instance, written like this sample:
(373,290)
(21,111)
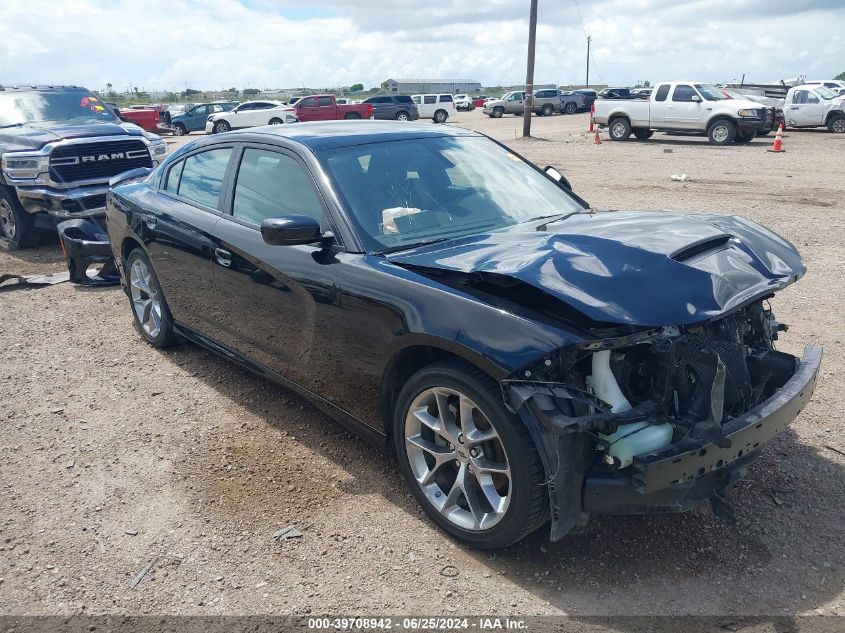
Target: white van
(438,108)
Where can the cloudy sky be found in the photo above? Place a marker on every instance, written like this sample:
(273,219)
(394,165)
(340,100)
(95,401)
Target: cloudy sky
(215,44)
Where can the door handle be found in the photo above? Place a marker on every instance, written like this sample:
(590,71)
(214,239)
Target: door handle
(223,257)
(793,107)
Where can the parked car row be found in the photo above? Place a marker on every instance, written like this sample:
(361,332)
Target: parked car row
(545,103)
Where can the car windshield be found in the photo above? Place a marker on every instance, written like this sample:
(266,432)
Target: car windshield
(710,92)
(39,106)
(403,193)
(825,93)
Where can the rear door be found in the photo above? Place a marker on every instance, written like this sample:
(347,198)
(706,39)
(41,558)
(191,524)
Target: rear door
(805,109)
(657,106)
(682,112)
(179,236)
(274,301)
(326,109)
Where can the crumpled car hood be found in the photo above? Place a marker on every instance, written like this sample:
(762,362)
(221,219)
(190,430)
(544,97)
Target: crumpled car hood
(630,268)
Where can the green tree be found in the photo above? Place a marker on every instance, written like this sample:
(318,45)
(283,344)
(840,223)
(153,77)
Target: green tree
(251,92)
(840,77)
(356,87)
(190,92)
(233,91)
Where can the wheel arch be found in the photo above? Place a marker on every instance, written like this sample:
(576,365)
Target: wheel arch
(721,117)
(833,114)
(418,352)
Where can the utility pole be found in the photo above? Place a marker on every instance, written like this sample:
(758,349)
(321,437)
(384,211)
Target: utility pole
(528,106)
(588,62)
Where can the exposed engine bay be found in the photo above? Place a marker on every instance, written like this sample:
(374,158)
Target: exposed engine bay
(663,418)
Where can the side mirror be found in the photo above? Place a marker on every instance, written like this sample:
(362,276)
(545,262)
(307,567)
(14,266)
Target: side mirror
(558,177)
(290,230)
(695,99)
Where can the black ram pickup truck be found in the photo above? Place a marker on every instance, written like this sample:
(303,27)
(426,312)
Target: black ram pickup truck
(60,145)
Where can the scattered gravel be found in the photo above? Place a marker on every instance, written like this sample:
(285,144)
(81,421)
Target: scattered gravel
(98,478)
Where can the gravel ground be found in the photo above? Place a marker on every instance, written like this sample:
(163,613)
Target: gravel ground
(115,455)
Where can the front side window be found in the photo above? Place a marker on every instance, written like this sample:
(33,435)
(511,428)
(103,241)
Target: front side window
(310,102)
(430,99)
(271,185)
(202,176)
(683,93)
(400,193)
(710,92)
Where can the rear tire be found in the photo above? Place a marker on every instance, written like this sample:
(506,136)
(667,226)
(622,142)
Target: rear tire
(836,124)
(643,134)
(500,437)
(440,116)
(17,229)
(402,116)
(351,116)
(149,307)
(721,132)
(619,129)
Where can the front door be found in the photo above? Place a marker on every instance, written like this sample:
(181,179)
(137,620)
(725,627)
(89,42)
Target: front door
(274,301)
(805,110)
(514,103)
(307,109)
(684,111)
(196,117)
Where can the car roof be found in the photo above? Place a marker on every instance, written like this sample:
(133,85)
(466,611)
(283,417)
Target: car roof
(320,135)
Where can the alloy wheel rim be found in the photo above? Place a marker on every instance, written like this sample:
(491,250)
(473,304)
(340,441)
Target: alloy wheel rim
(146,301)
(8,228)
(618,130)
(402,117)
(839,126)
(458,459)
(720,134)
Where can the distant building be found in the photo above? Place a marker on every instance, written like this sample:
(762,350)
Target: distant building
(536,87)
(416,86)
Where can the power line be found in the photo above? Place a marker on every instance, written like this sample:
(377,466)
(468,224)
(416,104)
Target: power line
(584,29)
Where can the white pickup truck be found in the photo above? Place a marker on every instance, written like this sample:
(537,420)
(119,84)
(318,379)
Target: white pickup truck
(685,106)
(814,106)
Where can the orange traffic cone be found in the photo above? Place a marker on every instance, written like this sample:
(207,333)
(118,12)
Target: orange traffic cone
(597,139)
(592,112)
(777,146)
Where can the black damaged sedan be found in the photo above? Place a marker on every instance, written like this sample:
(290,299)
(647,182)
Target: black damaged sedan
(529,360)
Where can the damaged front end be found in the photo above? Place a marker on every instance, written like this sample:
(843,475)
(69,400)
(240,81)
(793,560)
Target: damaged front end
(662,419)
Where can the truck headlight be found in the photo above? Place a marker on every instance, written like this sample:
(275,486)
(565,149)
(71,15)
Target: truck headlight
(158,149)
(17,166)
(753,114)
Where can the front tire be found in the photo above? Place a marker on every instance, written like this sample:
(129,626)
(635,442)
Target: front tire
(570,108)
(17,230)
(721,132)
(220,127)
(149,307)
(547,110)
(836,125)
(619,129)
(276,122)
(498,111)
(470,464)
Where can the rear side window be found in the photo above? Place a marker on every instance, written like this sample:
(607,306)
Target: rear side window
(662,93)
(173,177)
(683,93)
(379,100)
(324,101)
(430,99)
(271,185)
(202,176)
(403,99)
(445,98)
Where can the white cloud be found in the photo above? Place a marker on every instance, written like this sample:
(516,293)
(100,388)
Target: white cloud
(213,44)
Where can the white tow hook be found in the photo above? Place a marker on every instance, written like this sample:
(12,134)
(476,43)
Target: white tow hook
(629,439)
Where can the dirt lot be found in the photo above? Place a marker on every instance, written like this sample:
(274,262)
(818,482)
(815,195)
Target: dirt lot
(114,454)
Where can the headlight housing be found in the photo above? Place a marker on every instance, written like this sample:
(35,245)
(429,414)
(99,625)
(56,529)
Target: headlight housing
(291,118)
(158,148)
(21,165)
(750,114)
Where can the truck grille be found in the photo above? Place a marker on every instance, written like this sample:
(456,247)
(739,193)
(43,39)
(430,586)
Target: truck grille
(97,161)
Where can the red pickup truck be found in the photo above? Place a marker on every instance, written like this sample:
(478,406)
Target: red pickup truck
(325,108)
